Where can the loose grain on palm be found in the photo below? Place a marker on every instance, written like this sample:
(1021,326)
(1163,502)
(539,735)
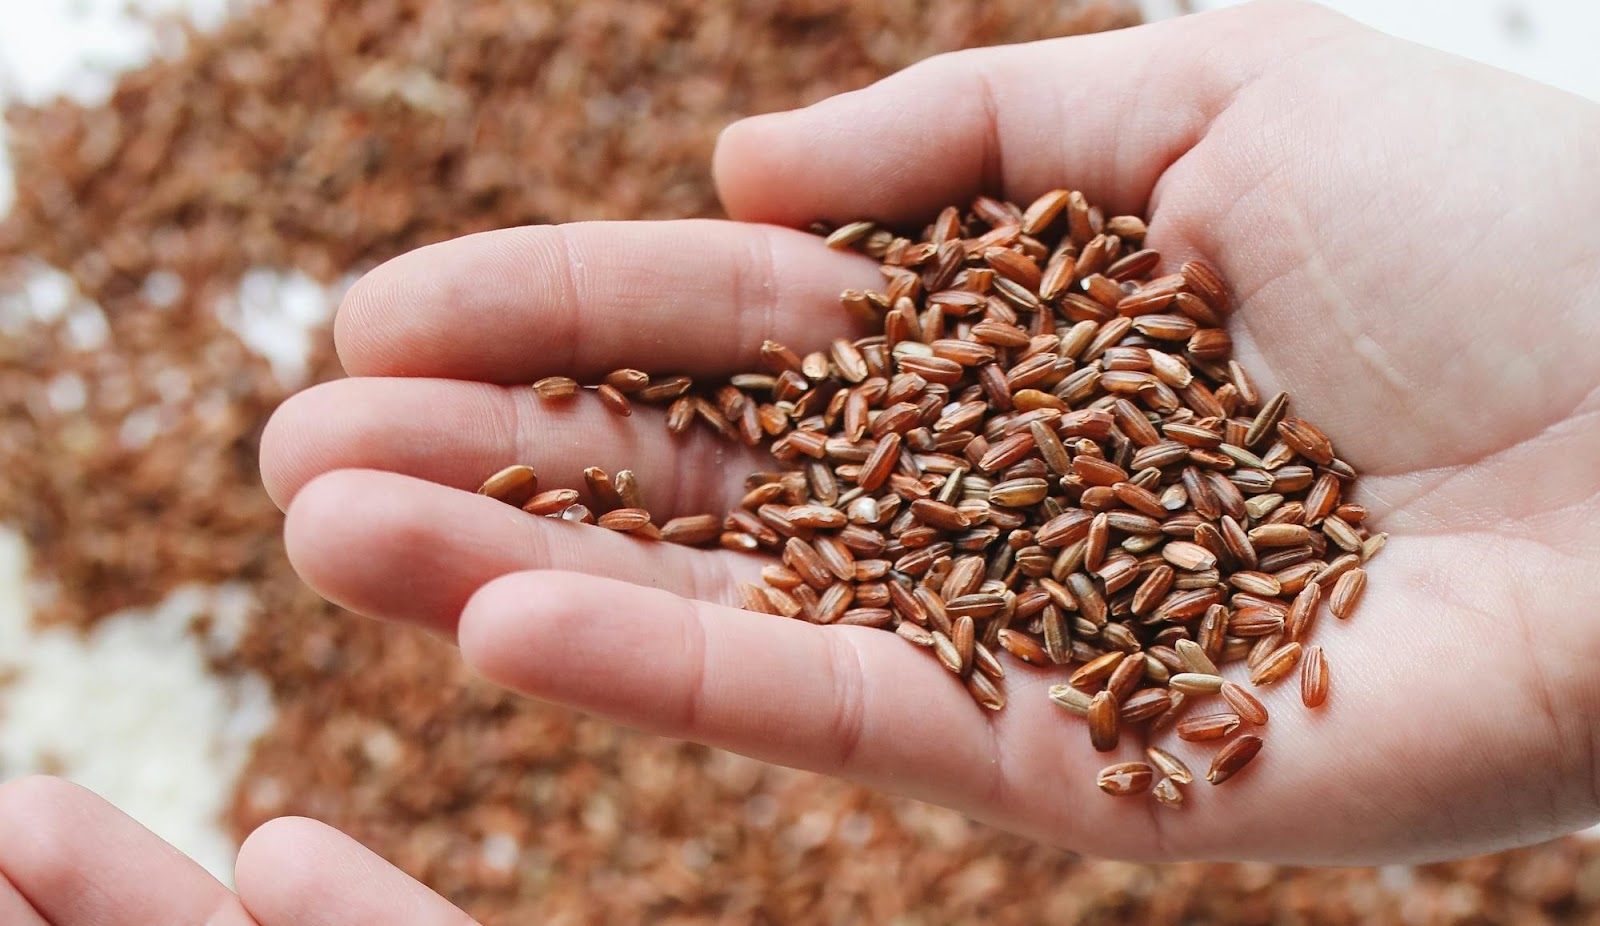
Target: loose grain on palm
(1041,449)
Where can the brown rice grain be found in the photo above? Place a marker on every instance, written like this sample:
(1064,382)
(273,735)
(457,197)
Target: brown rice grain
(1125,779)
(1233,757)
(1314,678)
(514,485)
(1347,592)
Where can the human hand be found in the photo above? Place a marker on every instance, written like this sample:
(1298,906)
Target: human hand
(68,858)
(1404,235)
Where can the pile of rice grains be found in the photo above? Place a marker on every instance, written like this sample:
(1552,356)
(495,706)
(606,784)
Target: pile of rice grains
(1045,451)
(322,136)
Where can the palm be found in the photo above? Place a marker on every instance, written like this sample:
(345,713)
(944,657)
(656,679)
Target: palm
(1430,334)
(1372,289)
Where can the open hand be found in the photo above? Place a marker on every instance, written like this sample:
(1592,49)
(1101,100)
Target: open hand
(1409,241)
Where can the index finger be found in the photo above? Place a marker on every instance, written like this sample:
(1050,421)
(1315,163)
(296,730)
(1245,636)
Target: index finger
(1106,114)
(510,306)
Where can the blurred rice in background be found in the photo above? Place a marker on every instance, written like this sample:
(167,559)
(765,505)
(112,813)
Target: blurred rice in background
(175,238)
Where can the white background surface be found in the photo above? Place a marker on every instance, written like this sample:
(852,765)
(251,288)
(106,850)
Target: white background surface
(188,740)
(1554,41)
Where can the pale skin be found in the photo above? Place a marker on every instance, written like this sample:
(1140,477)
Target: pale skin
(1409,238)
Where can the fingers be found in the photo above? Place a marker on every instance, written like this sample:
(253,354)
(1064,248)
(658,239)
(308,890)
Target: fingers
(298,872)
(68,858)
(14,908)
(78,861)
(1389,769)
(847,701)
(457,433)
(1105,114)
(399,548)
(830,699)
(693,297)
